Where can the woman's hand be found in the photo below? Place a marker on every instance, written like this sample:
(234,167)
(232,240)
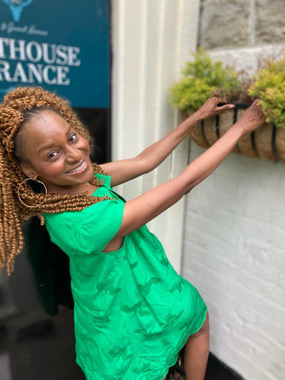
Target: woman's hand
(252,118)
(210,108)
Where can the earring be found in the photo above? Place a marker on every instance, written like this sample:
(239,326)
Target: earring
(25,204)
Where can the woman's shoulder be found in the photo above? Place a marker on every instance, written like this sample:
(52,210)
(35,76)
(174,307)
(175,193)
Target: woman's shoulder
(88,230)
(62,229)
(99,219)
(59,216)
(97,209)
(106,179)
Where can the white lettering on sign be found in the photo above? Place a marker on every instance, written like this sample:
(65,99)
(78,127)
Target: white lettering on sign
(34,73)
(34,51)
(12,28)
(37,62)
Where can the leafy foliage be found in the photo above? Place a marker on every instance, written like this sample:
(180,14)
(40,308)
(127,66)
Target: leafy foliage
(202,78)
(269,87)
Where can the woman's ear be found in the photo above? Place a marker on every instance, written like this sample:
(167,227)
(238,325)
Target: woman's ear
(28,171)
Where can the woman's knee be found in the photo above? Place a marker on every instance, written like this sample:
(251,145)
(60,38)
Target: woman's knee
(204,328)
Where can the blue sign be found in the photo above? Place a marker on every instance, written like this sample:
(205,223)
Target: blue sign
(60,45)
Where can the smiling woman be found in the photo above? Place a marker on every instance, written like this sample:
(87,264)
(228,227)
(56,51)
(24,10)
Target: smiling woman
(132,312)
(31,118)
(53,152)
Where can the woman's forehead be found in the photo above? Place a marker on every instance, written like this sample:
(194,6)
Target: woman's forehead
(48,117)
(47,123)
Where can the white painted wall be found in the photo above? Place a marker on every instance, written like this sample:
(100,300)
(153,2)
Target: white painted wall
(151,42)
(234,253)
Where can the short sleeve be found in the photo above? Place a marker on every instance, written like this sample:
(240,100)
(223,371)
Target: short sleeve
(100,223)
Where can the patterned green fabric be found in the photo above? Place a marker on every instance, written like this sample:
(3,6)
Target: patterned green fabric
(133,312)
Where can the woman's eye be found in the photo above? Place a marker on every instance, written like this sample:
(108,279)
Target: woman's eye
(72,137)
(52,155)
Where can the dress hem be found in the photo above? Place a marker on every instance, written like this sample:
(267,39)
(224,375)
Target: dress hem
(203,320)
(179,349)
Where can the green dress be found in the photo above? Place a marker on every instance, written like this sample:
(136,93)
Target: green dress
(133,313)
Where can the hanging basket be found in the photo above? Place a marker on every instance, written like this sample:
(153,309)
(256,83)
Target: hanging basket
(267,141)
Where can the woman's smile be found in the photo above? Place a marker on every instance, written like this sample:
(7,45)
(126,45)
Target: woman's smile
(79,169)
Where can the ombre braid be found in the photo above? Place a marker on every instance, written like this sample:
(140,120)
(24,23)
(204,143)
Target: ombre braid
(13,212)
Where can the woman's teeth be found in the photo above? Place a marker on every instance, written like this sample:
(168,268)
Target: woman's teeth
(78,169)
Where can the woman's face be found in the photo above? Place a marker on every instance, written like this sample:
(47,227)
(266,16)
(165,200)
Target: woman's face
(57,153)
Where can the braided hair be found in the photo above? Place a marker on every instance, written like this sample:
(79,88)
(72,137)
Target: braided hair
(18,107)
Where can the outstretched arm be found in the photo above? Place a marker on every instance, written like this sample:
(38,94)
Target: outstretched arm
(144,208)
(125,170)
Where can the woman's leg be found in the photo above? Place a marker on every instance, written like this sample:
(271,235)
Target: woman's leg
(197,352)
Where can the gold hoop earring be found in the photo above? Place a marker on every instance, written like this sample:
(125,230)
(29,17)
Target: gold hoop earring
(25,204)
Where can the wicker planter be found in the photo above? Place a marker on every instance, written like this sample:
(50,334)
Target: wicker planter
(267,141)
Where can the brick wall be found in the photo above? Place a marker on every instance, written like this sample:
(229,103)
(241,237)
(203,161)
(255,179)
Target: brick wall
(234,254)
(234,232)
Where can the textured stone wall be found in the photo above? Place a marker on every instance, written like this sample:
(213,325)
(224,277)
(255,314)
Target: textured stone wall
(234,23)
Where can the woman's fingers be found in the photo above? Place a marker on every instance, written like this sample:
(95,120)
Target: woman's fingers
(253,117)
(219,100)
(225,107)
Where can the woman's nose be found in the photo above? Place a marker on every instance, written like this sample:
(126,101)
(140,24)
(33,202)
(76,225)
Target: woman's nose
(73,155)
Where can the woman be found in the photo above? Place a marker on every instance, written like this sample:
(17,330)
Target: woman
(133,312)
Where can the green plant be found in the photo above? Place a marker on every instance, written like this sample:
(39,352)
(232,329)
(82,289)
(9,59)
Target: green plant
(269,87)
(202,77)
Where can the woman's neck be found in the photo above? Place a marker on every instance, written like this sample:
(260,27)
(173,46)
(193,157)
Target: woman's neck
(86,187)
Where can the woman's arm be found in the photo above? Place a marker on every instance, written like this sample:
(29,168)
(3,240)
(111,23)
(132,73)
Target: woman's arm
(125,170)
(144,208)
